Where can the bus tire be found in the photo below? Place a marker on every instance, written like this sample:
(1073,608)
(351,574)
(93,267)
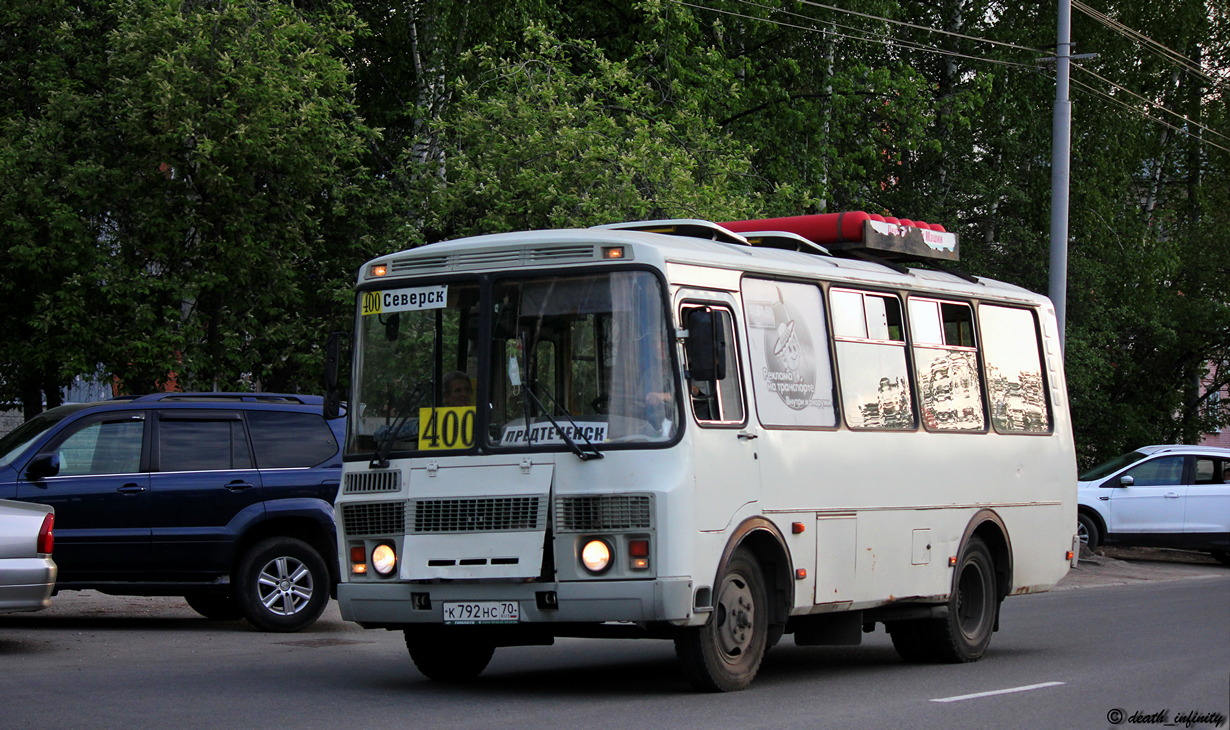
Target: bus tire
(725,654)
(964,634)
(281,585)
(448,656)
(1087,530)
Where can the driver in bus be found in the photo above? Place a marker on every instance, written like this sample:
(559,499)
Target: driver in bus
(458,392)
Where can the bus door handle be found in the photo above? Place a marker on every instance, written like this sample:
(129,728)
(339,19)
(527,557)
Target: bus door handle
(745,436)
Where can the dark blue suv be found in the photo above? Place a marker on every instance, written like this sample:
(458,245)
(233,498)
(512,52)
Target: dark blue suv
(223,498)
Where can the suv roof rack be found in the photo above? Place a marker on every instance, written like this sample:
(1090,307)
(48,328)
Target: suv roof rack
(226,398)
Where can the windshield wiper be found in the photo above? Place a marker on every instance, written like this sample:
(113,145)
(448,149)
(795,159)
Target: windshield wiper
(404,407)
(592,453)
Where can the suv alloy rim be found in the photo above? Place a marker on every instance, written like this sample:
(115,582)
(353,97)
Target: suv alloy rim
(285,586)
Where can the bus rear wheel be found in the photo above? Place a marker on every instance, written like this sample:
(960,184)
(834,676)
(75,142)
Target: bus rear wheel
(725,654)
(448,656)
(964,634)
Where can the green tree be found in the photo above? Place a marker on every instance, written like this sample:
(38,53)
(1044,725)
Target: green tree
(553,133)
(51,66)
(188,191)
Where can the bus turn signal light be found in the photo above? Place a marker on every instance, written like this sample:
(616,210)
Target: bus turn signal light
(358,560)
(638,554)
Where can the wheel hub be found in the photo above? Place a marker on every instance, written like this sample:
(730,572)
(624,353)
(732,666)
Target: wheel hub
(736,617)
(285,586)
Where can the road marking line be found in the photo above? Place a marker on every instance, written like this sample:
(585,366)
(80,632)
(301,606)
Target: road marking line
(999,692)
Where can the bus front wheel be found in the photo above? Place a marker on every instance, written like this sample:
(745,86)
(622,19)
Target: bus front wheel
(448,656)
(964,633)
(725,653)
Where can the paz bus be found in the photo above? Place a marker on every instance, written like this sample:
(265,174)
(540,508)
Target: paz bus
(715,434)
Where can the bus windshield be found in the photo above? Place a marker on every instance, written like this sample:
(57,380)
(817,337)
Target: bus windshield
(575,362)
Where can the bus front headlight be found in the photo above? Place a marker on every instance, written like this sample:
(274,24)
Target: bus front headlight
(596,556)
(384,559)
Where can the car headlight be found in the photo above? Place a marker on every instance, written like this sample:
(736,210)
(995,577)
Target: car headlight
(596,556)
(384,559)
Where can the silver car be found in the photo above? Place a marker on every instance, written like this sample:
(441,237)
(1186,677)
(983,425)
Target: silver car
(27,572)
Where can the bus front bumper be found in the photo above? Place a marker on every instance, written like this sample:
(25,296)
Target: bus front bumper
(395,604)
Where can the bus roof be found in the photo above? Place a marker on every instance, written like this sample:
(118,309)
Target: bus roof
(682,242)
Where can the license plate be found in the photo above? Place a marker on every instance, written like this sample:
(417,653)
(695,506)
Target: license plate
(482,612)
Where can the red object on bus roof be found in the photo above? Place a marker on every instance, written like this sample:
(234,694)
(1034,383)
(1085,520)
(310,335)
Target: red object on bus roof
(824,227)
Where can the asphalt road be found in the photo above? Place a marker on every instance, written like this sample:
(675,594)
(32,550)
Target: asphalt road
(1119,639)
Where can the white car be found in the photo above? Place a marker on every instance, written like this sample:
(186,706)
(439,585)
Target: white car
(1159,496)
(27,571)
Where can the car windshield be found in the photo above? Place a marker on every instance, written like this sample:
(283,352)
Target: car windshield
(15,442)
(575,362)
(1112,466)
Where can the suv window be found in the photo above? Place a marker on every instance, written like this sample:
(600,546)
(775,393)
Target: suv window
(287,440)
(1166,471)
(1212,471)
(192,445)
(106,447)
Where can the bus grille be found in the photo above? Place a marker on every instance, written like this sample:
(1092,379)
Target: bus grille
(366,482)
(374,518)
(606,512)
(476,515)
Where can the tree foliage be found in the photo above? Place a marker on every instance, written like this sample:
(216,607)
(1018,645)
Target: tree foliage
(186,188)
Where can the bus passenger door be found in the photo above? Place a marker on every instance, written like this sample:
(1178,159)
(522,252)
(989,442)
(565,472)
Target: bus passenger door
(724,438)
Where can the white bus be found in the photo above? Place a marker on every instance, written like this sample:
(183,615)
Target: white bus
(714,434)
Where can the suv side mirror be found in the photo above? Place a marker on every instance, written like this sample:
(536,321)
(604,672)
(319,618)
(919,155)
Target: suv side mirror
(1127,480)
(43,465)
(705,348)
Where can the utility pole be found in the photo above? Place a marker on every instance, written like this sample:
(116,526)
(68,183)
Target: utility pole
(1061,153)
(1061,157)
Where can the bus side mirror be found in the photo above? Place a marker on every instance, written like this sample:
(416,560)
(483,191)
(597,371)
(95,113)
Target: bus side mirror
(42,466)
(705,348)
(333,392)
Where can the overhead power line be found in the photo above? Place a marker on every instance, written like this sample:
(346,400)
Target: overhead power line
(1142,113)
(870,36)
(1168,54)
(1153,104)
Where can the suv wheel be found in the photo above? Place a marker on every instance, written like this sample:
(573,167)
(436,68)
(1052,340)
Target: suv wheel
(282,584)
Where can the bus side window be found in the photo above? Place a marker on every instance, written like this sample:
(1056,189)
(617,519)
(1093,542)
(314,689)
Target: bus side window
(946,365)
(716,396)
(1015,386)
(872,372)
